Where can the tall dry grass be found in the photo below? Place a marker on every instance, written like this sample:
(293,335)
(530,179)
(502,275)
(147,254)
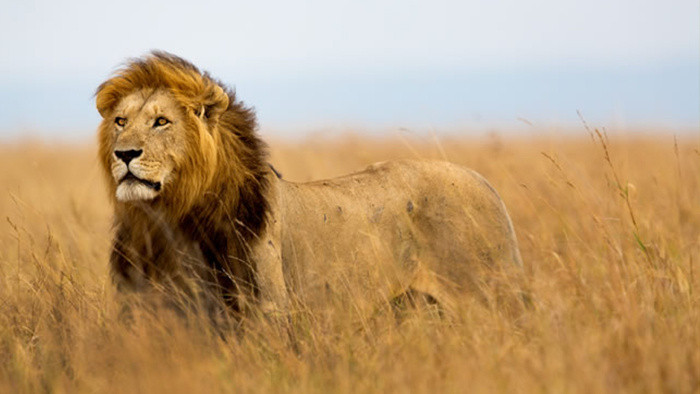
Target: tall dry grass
(609,230)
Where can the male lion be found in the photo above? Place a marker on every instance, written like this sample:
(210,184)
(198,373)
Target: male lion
(198,208)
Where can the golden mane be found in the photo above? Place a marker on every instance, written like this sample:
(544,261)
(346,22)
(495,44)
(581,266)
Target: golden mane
(239,153)
(220,195)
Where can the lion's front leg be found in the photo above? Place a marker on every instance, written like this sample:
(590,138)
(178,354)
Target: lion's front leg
(273,297)
(274,306)
(126,262)
(155,268)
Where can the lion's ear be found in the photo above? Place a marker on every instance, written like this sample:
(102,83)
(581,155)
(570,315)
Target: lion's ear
(103,111)
(213,105)
(104,100)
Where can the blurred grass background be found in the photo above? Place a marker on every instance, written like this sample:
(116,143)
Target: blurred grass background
(609,230)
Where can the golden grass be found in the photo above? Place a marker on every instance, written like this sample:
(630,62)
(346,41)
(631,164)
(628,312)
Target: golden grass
(609,232)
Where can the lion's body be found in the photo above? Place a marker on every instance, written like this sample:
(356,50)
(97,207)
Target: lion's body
(431,227)
(200,209)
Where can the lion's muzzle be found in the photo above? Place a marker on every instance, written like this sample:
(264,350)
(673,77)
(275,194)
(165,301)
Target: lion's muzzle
(136,179)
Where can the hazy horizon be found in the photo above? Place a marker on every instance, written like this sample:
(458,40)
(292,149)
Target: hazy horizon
(374,65)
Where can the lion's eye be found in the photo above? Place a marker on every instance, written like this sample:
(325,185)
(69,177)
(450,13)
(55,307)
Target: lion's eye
(161,121)
(119,121)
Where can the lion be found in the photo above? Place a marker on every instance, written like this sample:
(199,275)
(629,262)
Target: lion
(198,208)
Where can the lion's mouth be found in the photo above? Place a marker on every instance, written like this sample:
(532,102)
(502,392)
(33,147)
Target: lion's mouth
(130,177)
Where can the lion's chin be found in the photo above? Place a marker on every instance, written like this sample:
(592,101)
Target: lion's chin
(135,191)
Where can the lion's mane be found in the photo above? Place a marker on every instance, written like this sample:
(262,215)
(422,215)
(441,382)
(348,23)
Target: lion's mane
(220,193)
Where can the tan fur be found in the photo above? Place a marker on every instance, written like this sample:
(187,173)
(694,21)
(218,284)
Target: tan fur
(223,225)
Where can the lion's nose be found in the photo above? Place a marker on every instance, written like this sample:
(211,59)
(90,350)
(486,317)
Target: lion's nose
(127,155)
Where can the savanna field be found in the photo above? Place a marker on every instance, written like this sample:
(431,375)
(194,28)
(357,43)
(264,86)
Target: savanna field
(609,230)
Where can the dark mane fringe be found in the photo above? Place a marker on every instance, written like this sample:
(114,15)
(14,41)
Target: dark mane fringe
(228,227)
(240,142)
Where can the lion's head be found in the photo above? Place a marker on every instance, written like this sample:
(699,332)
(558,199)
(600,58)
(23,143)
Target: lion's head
(171,134)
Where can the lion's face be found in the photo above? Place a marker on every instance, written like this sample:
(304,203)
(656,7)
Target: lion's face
(160,135)
(148,135)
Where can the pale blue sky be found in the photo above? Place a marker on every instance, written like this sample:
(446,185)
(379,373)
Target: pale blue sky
(367,64)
